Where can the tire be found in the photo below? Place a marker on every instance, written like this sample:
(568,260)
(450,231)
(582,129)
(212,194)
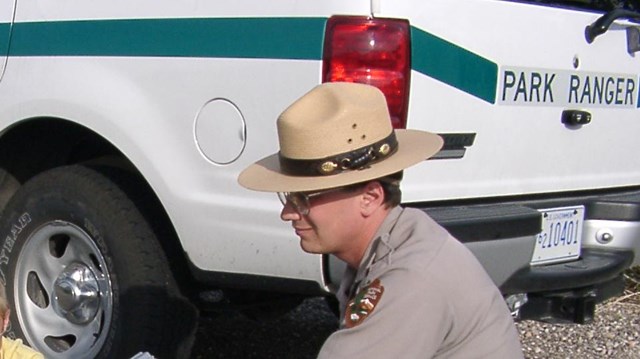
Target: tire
(86,276)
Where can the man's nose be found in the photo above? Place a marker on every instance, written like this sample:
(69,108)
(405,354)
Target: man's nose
(289,213)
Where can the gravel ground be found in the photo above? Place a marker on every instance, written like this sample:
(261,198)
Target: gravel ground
(615,333)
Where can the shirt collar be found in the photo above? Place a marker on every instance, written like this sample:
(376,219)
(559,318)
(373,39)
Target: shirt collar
(380,247)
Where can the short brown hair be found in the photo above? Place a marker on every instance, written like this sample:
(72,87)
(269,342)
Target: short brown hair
(390,185)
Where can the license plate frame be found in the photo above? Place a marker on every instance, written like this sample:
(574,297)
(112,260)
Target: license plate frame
(561,237)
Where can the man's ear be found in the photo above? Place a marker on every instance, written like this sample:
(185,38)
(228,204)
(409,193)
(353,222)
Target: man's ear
(372,198)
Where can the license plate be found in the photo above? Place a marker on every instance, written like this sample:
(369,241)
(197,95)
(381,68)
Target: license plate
(561,236)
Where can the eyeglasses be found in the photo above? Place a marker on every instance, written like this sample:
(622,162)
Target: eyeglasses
(301,200)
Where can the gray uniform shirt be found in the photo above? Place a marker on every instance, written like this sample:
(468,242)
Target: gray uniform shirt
(419,293)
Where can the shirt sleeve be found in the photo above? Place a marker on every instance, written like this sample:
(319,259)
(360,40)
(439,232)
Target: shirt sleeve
(407,321)
(15,349)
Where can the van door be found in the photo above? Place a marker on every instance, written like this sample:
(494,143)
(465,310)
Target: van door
(539,107)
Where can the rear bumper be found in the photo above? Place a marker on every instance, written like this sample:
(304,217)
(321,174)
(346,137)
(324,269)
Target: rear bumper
(502,235)
(595,266)
(568,292)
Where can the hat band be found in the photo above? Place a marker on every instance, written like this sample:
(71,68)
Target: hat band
(352,160)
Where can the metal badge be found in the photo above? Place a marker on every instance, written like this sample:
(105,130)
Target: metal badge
(384,149)
(328,167)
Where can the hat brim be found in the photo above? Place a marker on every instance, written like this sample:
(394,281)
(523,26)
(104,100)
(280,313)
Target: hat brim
(413,147)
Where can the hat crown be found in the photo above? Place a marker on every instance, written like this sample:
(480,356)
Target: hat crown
(336,135)
(333,118)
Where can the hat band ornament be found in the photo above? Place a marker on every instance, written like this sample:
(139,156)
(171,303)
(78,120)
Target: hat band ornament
(353,160)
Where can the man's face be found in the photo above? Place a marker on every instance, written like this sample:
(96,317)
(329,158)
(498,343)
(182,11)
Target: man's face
(332,224)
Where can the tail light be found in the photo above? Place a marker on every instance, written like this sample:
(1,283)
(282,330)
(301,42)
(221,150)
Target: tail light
(374,51)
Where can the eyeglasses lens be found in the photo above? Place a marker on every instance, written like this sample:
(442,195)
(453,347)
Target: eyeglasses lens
(300,201)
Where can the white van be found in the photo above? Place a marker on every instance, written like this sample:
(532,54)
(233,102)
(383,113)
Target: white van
(124,124)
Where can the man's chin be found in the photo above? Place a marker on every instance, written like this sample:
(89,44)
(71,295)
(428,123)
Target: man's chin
(307,248)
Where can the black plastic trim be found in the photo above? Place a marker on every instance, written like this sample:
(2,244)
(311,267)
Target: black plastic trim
(594,266)
(622,210)
(479,223)
(518,216)
(455,145)
(223,280)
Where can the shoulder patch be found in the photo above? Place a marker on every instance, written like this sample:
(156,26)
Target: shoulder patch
(363,304)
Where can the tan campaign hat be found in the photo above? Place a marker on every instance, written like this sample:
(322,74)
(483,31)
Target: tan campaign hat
(335,135)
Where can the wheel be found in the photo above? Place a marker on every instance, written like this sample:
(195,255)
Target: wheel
(86,276)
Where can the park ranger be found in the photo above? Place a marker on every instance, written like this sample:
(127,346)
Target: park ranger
(411,290)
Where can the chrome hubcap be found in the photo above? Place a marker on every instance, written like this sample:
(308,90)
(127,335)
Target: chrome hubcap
(77,294)
(63,297)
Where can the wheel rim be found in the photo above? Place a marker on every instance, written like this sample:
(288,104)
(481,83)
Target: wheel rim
(63,295)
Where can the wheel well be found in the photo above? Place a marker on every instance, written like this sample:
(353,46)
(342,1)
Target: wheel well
(33,146)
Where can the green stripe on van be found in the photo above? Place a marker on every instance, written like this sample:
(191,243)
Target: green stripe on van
(4,37)
(453,65)
(273,38)
(260,38)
